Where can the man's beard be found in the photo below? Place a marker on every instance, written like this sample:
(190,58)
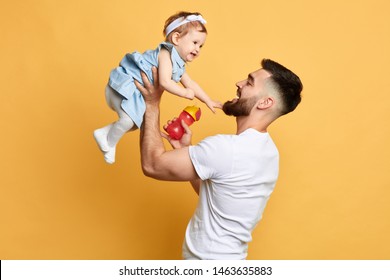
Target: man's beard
(241,107)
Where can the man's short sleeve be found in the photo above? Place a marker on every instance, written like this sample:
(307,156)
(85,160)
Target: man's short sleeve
(212,157)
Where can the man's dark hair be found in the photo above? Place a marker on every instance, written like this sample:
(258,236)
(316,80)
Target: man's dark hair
(287,84)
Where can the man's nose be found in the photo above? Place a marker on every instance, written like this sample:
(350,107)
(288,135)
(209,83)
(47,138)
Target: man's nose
(239,84)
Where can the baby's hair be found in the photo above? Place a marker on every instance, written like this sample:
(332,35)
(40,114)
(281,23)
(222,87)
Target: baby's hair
(183,29)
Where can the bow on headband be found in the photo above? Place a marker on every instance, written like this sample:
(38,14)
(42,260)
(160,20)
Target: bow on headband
(182,20)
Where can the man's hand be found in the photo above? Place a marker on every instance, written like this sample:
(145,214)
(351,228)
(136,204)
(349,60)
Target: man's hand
(151,92)
(185,141)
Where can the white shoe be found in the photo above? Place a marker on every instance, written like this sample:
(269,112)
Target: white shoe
(100,136)
(109,156)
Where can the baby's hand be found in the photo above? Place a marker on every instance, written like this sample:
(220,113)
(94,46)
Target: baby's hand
(214,104)
(190,94)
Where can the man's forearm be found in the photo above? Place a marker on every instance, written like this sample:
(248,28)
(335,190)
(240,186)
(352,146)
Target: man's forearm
(156,162)
(151,142)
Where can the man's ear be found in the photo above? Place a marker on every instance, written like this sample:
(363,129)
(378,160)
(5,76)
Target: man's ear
(175,38)
(265,103)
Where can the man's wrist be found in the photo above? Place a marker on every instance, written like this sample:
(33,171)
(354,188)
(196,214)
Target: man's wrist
(152,104)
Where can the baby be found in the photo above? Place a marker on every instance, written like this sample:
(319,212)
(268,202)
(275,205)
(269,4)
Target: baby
(185,34)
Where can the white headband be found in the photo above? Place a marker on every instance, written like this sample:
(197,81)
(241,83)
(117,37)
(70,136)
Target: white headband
(182,20)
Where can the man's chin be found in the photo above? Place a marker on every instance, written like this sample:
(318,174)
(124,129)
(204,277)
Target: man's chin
(239,107)
(228,107)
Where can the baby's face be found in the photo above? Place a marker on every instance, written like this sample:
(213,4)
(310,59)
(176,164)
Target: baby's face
(190,44)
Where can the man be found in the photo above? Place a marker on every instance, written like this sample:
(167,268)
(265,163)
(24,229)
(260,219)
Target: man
(234,175)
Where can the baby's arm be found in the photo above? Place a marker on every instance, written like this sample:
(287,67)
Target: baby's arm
(199,92)
(165,76)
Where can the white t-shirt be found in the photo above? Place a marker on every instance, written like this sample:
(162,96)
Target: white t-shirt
(238,175)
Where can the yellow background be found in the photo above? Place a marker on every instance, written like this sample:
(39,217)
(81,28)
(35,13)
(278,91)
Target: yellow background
(60,200)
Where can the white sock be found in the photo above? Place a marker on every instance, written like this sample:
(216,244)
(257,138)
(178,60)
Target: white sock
(100,136)
(109,156)
(117,130)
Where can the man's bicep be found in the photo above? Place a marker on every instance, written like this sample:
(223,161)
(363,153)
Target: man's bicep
(176,165)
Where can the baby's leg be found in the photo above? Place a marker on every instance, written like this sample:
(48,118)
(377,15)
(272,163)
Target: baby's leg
(124,123)
(100,134)
(118,128)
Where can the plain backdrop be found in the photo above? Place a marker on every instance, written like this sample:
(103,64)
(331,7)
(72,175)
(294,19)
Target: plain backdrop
(60,200)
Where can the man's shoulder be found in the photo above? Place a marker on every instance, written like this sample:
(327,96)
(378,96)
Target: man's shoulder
(215,143)
(219,138)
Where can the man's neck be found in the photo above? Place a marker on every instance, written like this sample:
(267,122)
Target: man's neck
(244,123)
